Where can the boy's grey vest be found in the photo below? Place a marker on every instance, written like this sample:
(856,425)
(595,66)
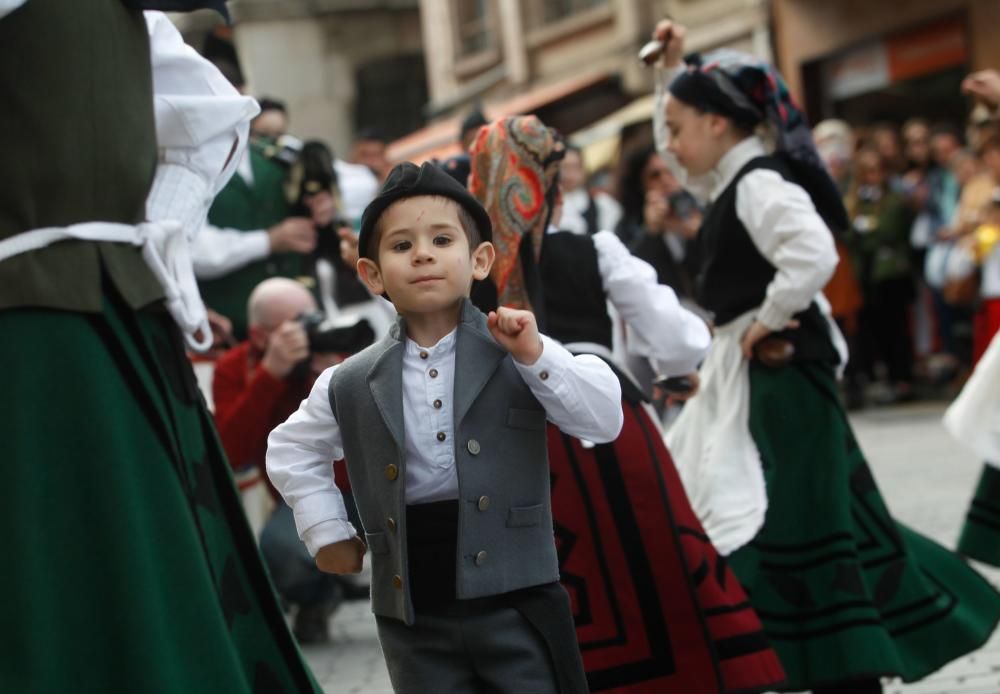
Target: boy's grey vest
(505,535)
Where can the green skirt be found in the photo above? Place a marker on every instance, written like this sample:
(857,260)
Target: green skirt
(980,537)
(844,591)
(128,565)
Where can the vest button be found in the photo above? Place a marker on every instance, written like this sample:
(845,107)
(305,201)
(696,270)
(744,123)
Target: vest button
(390,523)
(441,436)
(473,447)
(391,472)
(484,503)
(423,355)
(438,404)
(481,558)
(433,373)
(397,582)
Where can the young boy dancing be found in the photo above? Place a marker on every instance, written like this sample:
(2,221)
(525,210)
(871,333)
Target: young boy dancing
(442,424)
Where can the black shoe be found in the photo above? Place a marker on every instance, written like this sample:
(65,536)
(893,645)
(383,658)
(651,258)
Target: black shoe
(310,625)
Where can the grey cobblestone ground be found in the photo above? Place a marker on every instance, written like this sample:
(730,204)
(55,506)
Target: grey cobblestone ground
(926,479)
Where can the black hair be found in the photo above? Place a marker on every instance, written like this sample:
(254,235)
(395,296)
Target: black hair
(631,191)
(270,104)
(371,132)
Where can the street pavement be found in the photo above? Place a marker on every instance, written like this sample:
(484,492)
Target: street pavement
(926,478)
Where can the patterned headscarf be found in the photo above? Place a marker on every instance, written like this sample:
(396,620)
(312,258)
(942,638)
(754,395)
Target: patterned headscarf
(752,92)
(515,167)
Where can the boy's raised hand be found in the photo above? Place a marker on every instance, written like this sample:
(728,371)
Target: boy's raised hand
(345,557)
(517,332)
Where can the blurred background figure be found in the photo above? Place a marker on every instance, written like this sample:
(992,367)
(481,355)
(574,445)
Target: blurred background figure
(257,385)
(584,212)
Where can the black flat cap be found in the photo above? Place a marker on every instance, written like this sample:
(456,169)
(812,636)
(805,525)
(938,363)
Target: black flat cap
(407,180)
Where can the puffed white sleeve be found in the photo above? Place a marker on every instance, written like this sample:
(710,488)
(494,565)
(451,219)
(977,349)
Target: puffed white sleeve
(659,327)
(787,230)
(202,124)
(8,6)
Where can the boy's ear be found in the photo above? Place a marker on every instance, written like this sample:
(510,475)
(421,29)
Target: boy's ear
(482,260)
(371,275)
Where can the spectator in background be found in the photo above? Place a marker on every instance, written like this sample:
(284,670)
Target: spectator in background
(470,128)
(879,241)
(659,220)
(256,386)
(251,232)
(884,138)
(584,212)
(835,145)
(369,149)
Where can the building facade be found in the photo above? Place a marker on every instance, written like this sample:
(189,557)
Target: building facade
(571,62)
(340,65)
(866,61)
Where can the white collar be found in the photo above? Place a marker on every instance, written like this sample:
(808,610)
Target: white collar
(734,160)
(443,347)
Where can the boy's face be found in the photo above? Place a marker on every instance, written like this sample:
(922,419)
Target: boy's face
(695,137)
(424,261)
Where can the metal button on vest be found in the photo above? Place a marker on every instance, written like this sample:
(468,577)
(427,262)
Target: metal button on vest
(397,582)
(433,373)
(473,447)
(481,558)
(437,404)
(544,375)
(423,355)
(391,472)
(441,436)
(484,503)
(390,523)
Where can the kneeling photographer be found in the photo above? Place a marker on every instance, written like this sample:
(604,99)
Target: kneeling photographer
(256,386)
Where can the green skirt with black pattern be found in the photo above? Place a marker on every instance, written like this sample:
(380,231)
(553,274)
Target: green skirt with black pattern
(128,565)
(844,592)
(980,538)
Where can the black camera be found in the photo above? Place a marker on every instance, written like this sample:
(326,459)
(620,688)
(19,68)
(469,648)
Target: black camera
(682,204)
(328,337)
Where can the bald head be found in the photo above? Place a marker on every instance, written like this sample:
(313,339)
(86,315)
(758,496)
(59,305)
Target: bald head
(277,300)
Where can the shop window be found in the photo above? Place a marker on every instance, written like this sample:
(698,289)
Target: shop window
(551,11)
(474,27)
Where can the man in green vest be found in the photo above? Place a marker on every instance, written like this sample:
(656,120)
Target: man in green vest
(251,234)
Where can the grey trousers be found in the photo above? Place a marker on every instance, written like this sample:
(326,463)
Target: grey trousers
(495,651)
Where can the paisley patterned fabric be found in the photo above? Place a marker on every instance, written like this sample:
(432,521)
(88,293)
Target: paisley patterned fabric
(515,166)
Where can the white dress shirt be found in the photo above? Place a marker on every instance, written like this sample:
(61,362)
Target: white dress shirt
(658,327)
(580,394)
(575,204)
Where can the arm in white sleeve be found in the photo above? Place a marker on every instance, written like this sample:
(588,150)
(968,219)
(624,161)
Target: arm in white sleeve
(786,229)
(662,79)
(217,252)
(659,328)
(581,394)
(202,124)
(299,461)
(8,6)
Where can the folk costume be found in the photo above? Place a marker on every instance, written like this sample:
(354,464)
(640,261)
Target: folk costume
(445,450)
(656,608)
(974,420)
(130,565)
(845,593)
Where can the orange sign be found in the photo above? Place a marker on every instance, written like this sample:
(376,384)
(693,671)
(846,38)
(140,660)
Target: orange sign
(928,49)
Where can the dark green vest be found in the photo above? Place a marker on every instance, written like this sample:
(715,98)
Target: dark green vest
(79,145)
(250,207)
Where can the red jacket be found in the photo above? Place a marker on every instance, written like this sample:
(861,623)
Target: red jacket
(249,403)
